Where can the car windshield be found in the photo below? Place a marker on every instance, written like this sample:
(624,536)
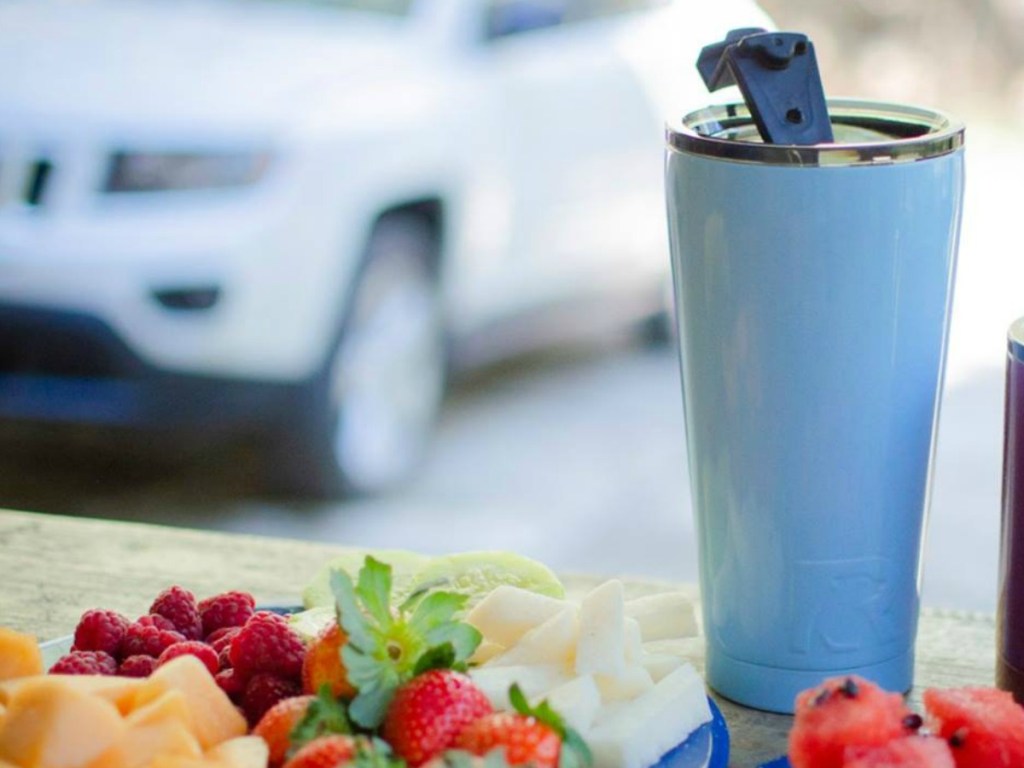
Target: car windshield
(386,7)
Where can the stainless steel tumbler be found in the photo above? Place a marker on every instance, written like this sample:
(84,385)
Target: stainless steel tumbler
(813,286)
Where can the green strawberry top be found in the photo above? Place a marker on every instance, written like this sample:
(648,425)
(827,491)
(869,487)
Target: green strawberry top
(387,647)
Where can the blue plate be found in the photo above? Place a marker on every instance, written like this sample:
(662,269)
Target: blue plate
(706,747)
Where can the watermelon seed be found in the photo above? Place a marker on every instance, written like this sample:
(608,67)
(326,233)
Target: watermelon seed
(850,688)
(959,737)
(913,721)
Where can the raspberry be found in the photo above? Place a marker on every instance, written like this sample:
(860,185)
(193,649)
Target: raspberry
(224,657)
(230,609)
(264,691)
(100,630)
(222,638)
(146,639)
(137,666)
(156,620)
(267,644)
(231,683)
(179,606)
(196,648)
(85,663)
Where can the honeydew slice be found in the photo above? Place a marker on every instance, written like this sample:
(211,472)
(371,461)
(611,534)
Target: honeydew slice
(664,616)
(404,567)
(508,613)
(535,680)
(602,641)
(477,574)
(635,734)
(553,642)
(578,701)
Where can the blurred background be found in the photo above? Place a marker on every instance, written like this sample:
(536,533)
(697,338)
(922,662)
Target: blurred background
(394,272)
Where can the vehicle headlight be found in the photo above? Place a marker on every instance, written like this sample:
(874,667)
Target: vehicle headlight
(159,171)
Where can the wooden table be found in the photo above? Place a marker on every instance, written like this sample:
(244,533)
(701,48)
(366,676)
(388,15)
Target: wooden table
(53,568)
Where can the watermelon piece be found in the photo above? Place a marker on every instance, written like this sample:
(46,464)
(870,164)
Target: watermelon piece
(908,752)
(845,712)
(984,726)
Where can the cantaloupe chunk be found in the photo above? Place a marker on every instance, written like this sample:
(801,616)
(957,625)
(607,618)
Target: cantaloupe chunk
(119,691)
(51,725)
(19,655)
(243,752)
(177,761)
(162,727)
(214,717)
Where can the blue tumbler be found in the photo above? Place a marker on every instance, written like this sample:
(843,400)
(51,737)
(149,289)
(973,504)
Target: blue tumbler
(813,286)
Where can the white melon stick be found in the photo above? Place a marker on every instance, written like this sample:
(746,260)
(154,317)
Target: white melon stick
(535,680)
(635,734)
(660,665)
(633,682)
(634,641)
(664,616)
(602,638)
(508,613)
(553,642)
(577,701)
(486,651)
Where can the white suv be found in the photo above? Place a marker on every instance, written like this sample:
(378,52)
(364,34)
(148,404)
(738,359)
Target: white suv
(287,214)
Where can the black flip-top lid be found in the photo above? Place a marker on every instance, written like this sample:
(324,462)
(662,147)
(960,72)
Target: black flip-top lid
(777,73)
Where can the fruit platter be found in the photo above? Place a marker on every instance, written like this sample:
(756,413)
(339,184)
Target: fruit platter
(472,659)
(394,660)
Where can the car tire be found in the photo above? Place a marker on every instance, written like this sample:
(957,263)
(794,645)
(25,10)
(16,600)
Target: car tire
(364,422)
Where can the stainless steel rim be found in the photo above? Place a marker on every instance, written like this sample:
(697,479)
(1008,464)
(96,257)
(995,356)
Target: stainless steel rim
(387,380)
(907,134)
(1015,340)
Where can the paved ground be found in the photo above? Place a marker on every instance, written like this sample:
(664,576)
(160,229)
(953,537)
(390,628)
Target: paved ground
(577,456)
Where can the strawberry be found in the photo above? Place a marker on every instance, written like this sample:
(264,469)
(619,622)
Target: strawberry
(323,664)
(535,736)
(428,713)
(294,722)
(341,751)
(276,726)
(387,647)
(325,752)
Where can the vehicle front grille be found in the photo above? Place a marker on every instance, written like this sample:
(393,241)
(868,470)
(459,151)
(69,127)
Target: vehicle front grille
(40,342)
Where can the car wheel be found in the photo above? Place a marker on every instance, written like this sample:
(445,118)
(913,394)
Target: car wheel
(367,418)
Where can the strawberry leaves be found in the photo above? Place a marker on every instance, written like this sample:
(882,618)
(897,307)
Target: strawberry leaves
(574,752)
(387,647)
(324,715)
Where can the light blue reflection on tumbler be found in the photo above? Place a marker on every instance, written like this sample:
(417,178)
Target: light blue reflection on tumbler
(813,290)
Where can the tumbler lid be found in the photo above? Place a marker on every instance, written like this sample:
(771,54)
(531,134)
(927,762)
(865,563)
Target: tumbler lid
(777,73)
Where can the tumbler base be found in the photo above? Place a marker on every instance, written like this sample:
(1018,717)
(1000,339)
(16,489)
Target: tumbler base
(774,688)
(1010,678)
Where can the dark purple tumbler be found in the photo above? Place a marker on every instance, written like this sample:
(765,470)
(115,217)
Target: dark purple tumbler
(1010,619)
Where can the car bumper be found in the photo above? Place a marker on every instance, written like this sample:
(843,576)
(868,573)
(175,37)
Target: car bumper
(67,367)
